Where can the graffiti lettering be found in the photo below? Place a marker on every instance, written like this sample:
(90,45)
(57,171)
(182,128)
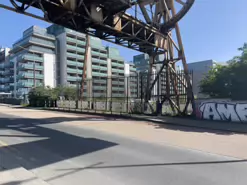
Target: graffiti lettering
(223,111)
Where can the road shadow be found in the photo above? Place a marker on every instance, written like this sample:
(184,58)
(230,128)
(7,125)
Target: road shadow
(45,145)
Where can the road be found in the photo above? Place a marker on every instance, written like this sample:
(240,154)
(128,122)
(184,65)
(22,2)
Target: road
(64,154)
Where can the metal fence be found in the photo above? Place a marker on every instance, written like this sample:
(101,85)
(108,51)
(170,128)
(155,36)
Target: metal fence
(122,94)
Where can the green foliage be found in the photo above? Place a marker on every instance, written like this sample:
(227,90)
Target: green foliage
(228,81)
(41,96)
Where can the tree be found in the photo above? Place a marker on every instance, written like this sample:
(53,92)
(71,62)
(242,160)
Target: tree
(70,93)
(228,81)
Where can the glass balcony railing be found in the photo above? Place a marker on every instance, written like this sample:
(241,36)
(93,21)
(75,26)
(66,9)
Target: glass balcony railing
(30,66)
(73,78)
(6,72)
(99,74)
(30,57)
(75,48)
(30,75)
(100,81)
(72,55)
(99,95)
(80,42)
(69,70)
(42,41)
(27,84)
(35,40)
(117,83)
(99,61)
(117,64)
(99,67)
(99,87)
(117,70)
(73,63)
(118,88)
(41,49)
(118,95)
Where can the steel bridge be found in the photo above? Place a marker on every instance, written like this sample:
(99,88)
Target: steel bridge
(148,26)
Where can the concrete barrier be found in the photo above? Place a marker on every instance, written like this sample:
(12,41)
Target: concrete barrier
(221,110)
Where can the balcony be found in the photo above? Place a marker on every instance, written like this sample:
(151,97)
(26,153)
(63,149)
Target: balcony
(30,66)
(117,83)
(117,70)
(72,55)
(30,57)
(34,40)
(70,70)
(99,61)
(73,78)
(79,42)
(99,74)
(99,67)
(29,75)
(73,63)
(39,32)
(117,64)
(96,87)
(6,73)
(76,48)
(100,81)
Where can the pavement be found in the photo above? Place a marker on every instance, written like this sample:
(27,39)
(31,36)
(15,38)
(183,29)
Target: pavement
(41,147)
(188,121)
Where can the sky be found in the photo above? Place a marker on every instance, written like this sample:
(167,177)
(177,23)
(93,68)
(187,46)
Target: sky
(212,29)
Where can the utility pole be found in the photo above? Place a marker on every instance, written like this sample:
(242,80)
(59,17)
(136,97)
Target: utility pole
(34,75)
(85,64)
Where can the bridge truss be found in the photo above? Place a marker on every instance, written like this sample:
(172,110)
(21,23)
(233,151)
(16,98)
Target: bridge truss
(148,26)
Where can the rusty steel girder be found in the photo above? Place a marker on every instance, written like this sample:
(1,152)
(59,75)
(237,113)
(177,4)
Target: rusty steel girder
(142,25)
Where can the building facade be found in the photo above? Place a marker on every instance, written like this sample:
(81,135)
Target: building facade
(34,60)
(55,56)
(200,70)
(5,71)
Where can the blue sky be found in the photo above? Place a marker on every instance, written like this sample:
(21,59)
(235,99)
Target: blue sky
(213,29)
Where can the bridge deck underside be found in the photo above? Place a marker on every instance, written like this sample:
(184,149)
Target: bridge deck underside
(121,29)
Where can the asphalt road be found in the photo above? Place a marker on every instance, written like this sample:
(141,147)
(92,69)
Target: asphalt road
(63,154)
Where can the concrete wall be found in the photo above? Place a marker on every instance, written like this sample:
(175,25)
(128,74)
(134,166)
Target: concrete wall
(50,70)
(200,69)
(222,110)
(62,58)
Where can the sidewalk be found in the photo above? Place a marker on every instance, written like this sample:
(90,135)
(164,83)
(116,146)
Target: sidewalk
(189,122)
(12,173)
(208,140)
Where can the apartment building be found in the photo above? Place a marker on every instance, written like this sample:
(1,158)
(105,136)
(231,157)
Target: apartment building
(5,70)
(103,63)
(34,60)
(131,80)
(55,56)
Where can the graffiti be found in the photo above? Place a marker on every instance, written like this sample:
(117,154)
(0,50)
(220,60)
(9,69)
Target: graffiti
(223,111)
